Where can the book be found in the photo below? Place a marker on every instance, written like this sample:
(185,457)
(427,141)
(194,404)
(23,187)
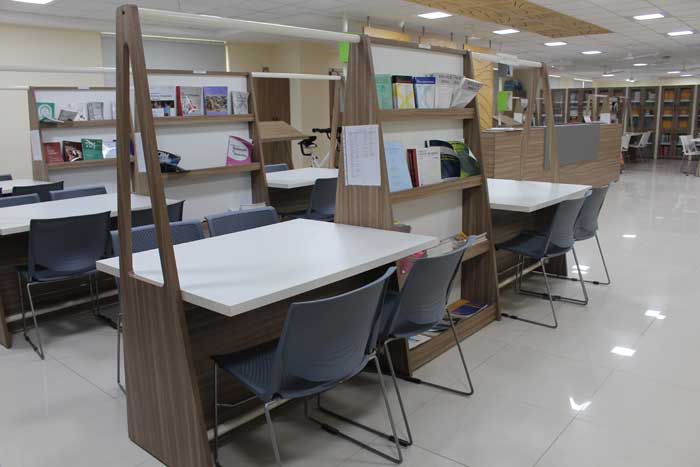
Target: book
(239,102)
(396,166)
(109,149)
(163,101)
(424,87)
(240,151)
(468,309)
(415,341)
(411,160)
(53,152)
(92,149)
(95,111)
(72,151)
(385,93)
(215,100)
(428,167)
(443,90)
(45,111)
(465,92)
(404,96)
(66,115)
(189,101)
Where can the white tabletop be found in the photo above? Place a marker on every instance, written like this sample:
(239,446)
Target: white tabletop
(297,178)
(235,273)
(528,196)
(8,185)
(16,219)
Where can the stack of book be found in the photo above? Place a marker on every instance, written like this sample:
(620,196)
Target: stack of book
(191,101)
(81,111)
(87,149)
(435,91)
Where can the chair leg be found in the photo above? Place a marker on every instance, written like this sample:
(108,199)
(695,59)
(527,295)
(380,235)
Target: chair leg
(119,352)
(551,303)
(605,266)
(97,309)
(273,436)
(216,414)
(39,350)
(549,296)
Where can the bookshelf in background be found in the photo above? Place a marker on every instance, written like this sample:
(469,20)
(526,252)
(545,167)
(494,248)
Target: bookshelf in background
(559,97)
(577,104)
(617,103)
(676,114)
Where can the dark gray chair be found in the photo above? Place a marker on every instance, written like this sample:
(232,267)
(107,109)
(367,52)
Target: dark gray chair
(587,226)
(557,240)
(276,168)
(42,190)
(77,192)
(236,221)
(62,249)
(322,201)
(145,216)
(18,200)
(5,177)
(142,239)
(419,306)
(323,343)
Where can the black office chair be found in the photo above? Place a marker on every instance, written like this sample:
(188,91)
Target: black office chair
(145,216)
(18,200)
(236,221)
(59,250)
(5,177)
(557,240)
(276,168)
(42,190)
(77,192)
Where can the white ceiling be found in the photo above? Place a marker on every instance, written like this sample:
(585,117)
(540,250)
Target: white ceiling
(647,41)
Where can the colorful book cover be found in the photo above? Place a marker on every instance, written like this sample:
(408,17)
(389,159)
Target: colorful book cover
(163,101)
(384,91)
(92,149)
(72,151)
(45,110)
(53,152)
(189,101)
(396,166)
(404,97)
(443,90)
(95,110)
(424,87)
(240,151)
(216,100)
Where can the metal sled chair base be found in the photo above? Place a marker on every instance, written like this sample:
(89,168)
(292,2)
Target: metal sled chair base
(518,282)
(594,282)
(548,295)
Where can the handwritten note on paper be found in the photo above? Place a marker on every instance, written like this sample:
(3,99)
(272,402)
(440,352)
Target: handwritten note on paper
(361,155)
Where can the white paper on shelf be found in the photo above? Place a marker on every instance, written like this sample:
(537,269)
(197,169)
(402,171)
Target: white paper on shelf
(138,147)
(606,118)
(35,139)
(429,168)
(361,155)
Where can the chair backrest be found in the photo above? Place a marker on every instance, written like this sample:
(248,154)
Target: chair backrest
(626,142)
(144,238)
(77,192)
(323,196)
(276,168)
(561,228)
(688,146)
(41,190)
(644,140)
(18,200)
(5,177)
(68,244)
(326,341)
(424,295)
(236,221)
(587,222)
(145,216)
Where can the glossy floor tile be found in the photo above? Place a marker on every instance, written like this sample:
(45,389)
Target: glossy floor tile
(544,398)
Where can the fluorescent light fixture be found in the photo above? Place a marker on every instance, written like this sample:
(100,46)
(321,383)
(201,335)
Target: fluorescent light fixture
(631,80)
(608,75)
(435,15)
(36,2)
(674,72)
(655,314)
(648,16)
(554,76)
(640,64)
(688,75)
(583,80)
(503,32)
(578,407)
(555,44)
(629,235)
(592,52)
(623,351)
(680,33)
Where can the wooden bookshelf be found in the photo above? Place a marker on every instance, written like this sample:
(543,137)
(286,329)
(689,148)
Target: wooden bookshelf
(79,124)
(271,132)
(481,247)
(201,120)
(676,115)
(212,171)
(436,189)
(56,166)
(405,115)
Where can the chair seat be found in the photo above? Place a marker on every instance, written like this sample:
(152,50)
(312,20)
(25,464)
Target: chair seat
(47,275)
(532,245)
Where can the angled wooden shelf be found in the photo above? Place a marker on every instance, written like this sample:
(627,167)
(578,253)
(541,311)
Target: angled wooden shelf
(435,189)
(81,164)
(481,247)
(406,115)
(211,171)
(79,124)
(271,132)
(201,120)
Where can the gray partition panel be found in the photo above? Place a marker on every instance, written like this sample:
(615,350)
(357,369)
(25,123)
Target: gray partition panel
(575,143)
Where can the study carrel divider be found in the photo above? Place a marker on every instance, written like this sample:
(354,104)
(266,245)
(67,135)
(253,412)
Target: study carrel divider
(371,206)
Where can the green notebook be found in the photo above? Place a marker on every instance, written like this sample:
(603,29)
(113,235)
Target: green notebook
(92,149)
(384,91)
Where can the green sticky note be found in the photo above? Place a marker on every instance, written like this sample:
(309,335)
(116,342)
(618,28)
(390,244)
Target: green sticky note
(505,101)
(344,52)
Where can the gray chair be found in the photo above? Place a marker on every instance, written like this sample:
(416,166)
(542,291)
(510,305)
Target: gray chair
(236,221)
(62,249)
(41,190)
(557,240)
(323,343)
(143,217)
(18,200)
(322,201)
(5,177)
(77,192)
(276,168)
(418,307)
(144,238)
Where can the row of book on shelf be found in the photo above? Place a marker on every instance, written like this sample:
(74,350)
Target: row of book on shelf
(76,111)
(434,91)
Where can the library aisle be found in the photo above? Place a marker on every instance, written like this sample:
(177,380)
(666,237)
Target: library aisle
(543,398)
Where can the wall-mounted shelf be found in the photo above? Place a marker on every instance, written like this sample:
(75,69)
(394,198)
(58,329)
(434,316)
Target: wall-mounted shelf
(225,170)
(202,120)
(79,124)
(81,164)
(481,247)
(271,132)
(436,189)
(404,115)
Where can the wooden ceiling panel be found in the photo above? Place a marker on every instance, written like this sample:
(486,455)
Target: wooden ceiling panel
(519,14)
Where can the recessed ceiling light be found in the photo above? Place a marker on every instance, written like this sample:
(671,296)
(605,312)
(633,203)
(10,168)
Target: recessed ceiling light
(592,52)
(648,16)
(680,33)
(503,32)
(608,75)
(435,15)
(630,80)
(36,2)
(675,72)
(640,64)
(554,44)
(655,314)
(624,351)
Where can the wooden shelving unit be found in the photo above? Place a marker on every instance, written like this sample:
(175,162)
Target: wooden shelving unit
(81,164)
(272,132)
(407,115)
(213,171)
(676,115)
(559,97)
(109,123)
(431,190)
(576,104)
(201,120)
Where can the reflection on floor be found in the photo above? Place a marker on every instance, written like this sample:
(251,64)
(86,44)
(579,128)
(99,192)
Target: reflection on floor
(544,398)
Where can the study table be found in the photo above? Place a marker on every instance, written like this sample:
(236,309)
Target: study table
(237,289)
(8,185)
(14,228)
(290,190)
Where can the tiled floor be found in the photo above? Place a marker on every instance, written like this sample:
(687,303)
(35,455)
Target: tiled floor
(544,398)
